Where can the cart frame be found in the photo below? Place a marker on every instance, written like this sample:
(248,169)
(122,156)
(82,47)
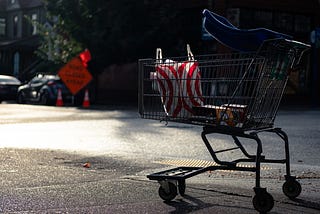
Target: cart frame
(260,115)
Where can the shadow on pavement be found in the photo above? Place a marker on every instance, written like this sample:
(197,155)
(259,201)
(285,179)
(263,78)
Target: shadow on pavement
(307,204)
(189,204)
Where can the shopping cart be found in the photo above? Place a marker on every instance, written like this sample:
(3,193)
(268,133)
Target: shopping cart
(235,94)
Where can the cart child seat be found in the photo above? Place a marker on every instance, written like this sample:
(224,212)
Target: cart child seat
(238,39)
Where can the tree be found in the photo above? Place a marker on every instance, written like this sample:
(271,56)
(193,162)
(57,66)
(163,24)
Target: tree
(57,45)
(117,31)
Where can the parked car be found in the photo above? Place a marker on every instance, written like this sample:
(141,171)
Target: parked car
(8,87)
(43,89)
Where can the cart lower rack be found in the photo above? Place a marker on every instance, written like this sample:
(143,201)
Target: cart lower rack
(232,94)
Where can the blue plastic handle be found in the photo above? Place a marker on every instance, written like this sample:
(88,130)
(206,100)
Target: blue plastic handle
(239,39)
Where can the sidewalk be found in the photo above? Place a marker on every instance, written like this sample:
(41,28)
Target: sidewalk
(42,181)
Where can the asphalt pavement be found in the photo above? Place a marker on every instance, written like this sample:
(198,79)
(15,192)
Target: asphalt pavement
(48,181)
(70,160)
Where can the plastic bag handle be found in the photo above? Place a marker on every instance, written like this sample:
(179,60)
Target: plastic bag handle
(190,54)
(158,55)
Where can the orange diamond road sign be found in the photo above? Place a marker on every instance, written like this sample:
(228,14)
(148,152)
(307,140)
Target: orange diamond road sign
(74,75)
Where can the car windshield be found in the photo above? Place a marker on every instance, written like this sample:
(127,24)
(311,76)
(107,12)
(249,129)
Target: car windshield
(8,80)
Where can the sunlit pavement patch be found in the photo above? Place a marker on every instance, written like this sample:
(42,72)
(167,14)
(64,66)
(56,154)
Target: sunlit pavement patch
(274,171)
(201,163)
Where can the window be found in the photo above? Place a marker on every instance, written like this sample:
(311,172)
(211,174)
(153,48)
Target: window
(284,22)
(16,64)
(247,19)
(233,15)
(34,19)
(2,26)
(302,24)
(15,26)
(263,19)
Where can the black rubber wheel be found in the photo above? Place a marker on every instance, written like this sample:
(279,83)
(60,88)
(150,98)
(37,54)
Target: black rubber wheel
(291,189)
(263,202)
(170,194)
(182,187)
(20,99)
(44,99)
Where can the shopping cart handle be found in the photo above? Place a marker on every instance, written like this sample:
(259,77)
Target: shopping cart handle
(239,39)
(304,50)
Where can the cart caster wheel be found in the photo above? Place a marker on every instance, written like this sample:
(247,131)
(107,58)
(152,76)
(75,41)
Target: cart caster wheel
(169,193)
(263,202)
(291,188)
(182,187)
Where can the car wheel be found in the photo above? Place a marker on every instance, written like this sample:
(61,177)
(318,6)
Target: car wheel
(44,99)
(20,98)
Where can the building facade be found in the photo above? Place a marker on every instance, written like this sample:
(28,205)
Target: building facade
(300,19)
(18,37)
(294,17)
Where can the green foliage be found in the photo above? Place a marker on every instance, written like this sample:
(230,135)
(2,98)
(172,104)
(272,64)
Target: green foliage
(116,31)
(57,46)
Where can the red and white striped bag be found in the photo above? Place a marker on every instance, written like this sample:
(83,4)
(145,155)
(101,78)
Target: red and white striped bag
(190,83)
(179,85)
(169,88)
